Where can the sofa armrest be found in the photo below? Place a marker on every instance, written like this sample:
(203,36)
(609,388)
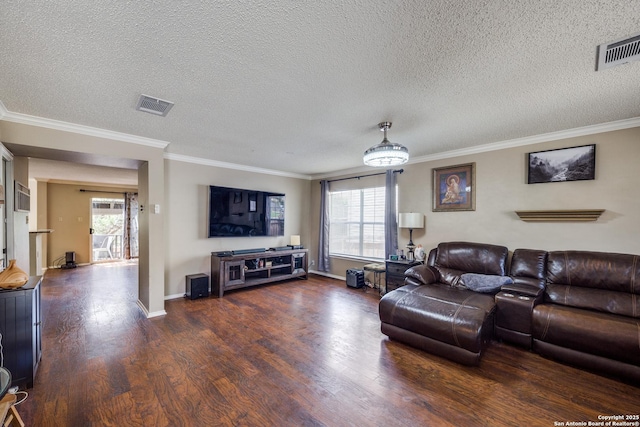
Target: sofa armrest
(523,289)
(422,275)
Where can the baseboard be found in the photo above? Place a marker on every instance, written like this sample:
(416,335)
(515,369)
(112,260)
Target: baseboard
(174,296)
(150,315)
(332,276)
(57,267)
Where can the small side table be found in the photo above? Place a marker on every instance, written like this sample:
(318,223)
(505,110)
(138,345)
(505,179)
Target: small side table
(377,269)
(395,272)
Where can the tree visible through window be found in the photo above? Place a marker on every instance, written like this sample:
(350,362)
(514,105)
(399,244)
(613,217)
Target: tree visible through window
(357,223)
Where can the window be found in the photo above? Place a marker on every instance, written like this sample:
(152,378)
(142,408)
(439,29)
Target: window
(357,222)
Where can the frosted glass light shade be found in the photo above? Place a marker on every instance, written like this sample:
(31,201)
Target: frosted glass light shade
(386,154)
(411,220)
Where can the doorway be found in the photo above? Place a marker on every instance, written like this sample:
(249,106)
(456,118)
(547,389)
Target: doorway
(107,229)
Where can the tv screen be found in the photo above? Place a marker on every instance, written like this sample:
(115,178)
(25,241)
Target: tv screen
(236,212)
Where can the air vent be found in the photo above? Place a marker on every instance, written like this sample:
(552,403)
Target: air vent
(153,105)
(618,52)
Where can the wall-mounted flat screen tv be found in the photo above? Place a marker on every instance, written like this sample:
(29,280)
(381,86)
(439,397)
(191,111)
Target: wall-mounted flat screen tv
(236,212)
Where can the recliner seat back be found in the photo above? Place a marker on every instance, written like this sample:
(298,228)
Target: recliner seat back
(600,281)
(452,259)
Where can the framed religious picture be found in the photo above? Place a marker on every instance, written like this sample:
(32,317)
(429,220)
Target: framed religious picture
(454,188)
(563,164)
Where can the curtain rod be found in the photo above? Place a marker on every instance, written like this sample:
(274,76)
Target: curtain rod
(82,190)
(364,176)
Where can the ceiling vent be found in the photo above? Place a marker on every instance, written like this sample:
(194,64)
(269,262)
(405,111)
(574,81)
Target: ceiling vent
(152,105)
(618,52)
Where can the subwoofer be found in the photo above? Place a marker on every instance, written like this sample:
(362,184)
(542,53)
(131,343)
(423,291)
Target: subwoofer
(355,278)
(197,286)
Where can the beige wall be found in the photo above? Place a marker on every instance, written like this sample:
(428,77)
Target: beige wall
(501,189)
(151,266)
(187,248)
(69,213)
(21,219)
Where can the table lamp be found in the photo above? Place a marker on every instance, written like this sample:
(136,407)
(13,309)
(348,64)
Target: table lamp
(411,220)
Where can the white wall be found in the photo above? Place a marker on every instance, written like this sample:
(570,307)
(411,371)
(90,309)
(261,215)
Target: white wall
(187,247)
(501,189)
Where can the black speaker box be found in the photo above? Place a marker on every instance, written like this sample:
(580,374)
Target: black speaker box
(355,278)
(197,286)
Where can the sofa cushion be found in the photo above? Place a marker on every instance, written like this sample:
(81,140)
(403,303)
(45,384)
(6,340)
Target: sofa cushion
(600,270)
(606,335)
(621,303)
(469,257)
(602,281)
(423,274)
(486,283)
(451,315)
(529,267)
(450,276)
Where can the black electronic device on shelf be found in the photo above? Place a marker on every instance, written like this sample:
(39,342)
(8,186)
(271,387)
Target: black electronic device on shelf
(222,253)
(248,251)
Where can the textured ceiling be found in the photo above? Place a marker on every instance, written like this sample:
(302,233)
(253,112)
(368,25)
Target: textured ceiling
(300,86)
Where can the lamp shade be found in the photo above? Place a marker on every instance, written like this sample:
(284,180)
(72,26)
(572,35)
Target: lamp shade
(411,220)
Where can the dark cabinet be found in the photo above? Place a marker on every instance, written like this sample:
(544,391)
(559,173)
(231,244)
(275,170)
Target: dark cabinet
(395,273)
(21,329)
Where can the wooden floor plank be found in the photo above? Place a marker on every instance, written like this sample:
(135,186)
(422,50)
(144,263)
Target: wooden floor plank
(302,352)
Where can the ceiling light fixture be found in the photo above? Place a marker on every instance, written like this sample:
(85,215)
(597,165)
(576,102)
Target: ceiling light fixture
(386,153)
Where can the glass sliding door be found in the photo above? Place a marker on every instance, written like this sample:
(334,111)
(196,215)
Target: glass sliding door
(107,229)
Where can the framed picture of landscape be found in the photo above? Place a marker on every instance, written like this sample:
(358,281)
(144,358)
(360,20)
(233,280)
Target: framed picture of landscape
(563,164)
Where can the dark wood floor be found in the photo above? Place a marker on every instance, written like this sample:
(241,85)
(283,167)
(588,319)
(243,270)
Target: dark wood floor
(299,353)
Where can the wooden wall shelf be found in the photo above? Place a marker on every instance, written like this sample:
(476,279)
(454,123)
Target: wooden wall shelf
(578,215)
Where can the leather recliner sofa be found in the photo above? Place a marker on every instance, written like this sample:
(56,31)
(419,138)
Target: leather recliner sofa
(577,307)
(587,313)
(436,312)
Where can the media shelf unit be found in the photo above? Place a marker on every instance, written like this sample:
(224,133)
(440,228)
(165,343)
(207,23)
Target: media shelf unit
(240,271)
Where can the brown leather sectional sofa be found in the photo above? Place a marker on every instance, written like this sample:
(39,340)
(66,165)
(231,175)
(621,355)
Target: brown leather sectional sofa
(578,307)
(435,312)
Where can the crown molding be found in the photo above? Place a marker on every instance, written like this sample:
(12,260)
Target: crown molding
(511,143)
(536,139)
(26,119)
(234,166)
(3,110)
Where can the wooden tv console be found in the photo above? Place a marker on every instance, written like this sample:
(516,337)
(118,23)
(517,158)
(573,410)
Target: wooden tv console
(240,271)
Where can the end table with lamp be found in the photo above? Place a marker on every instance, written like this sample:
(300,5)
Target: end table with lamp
(411,220)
